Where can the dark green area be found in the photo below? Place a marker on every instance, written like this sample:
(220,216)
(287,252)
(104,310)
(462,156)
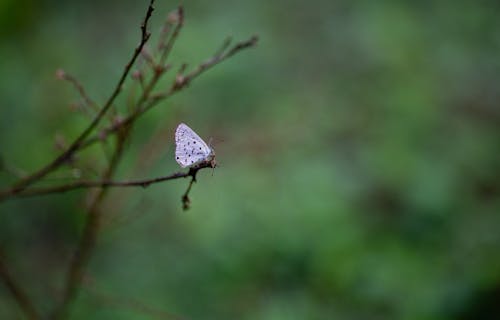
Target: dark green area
(359,152)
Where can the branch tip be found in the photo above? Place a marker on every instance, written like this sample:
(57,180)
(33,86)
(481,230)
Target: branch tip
(60,74)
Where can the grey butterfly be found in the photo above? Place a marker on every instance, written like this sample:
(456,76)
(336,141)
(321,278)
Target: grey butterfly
(190,149)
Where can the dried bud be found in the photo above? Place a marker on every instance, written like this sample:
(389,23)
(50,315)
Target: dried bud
(102,135)
(180,81)
(60,142)
(60,74)
(75,106)
(137,75)
(117,120)
(173,17)
(159,69)
(146,55)
(77,173)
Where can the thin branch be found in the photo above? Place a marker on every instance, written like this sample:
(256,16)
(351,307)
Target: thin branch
(61,74)
(145,103)
(22,184)
(17,292)
(224,46)
(144,183)
(160,68)
(148,57)
(87,241)
(186,202)
(144,25)
(183,81)
(179,84)
(122,129)
(219,57)
(167,48)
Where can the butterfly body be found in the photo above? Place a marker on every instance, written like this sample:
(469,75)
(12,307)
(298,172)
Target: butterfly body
(190,149)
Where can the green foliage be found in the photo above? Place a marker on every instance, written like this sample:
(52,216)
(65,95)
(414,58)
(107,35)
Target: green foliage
(359,168)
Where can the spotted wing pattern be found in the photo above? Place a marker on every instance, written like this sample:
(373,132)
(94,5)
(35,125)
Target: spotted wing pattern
(190,149)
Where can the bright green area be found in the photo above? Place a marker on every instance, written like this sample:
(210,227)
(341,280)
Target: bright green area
(359,152)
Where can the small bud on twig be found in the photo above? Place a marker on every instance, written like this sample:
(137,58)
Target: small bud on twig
(173,17)
(76,173)
(137,75)
(118,120)
(60,142)
(146,55)
(60,74)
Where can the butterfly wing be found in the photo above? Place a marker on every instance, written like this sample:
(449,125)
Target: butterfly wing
(190,149)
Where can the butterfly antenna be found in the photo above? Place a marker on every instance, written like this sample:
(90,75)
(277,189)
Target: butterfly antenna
(213,164)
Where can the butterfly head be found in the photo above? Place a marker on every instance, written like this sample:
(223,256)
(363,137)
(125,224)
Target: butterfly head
(211,159)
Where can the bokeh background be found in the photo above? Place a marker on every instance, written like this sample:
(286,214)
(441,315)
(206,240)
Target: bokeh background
(359,152)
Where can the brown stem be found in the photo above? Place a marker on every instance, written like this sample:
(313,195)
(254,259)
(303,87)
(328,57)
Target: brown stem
(179,84)
(17,292)
(87,242)
(88,239)
(167,48)
(186,202)
(31,192)
(79,87)
(25,182)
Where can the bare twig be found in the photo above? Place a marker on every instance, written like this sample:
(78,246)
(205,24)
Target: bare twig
(61,74)
(186,202)
(87,241)
(184,80)
(160,68)
(179,84)
(219,57)
(145,102)
(25,182)
(178,16)
(224,46)
(17,292)
(144,183)
(121,129)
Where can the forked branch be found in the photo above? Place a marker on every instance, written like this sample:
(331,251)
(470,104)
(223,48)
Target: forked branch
(23,183)
(121,130)
(180,82)
(147,100)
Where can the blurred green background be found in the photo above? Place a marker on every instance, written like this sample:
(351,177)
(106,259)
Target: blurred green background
(359,152)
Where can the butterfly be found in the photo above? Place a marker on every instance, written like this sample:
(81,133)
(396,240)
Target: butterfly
(190,149)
